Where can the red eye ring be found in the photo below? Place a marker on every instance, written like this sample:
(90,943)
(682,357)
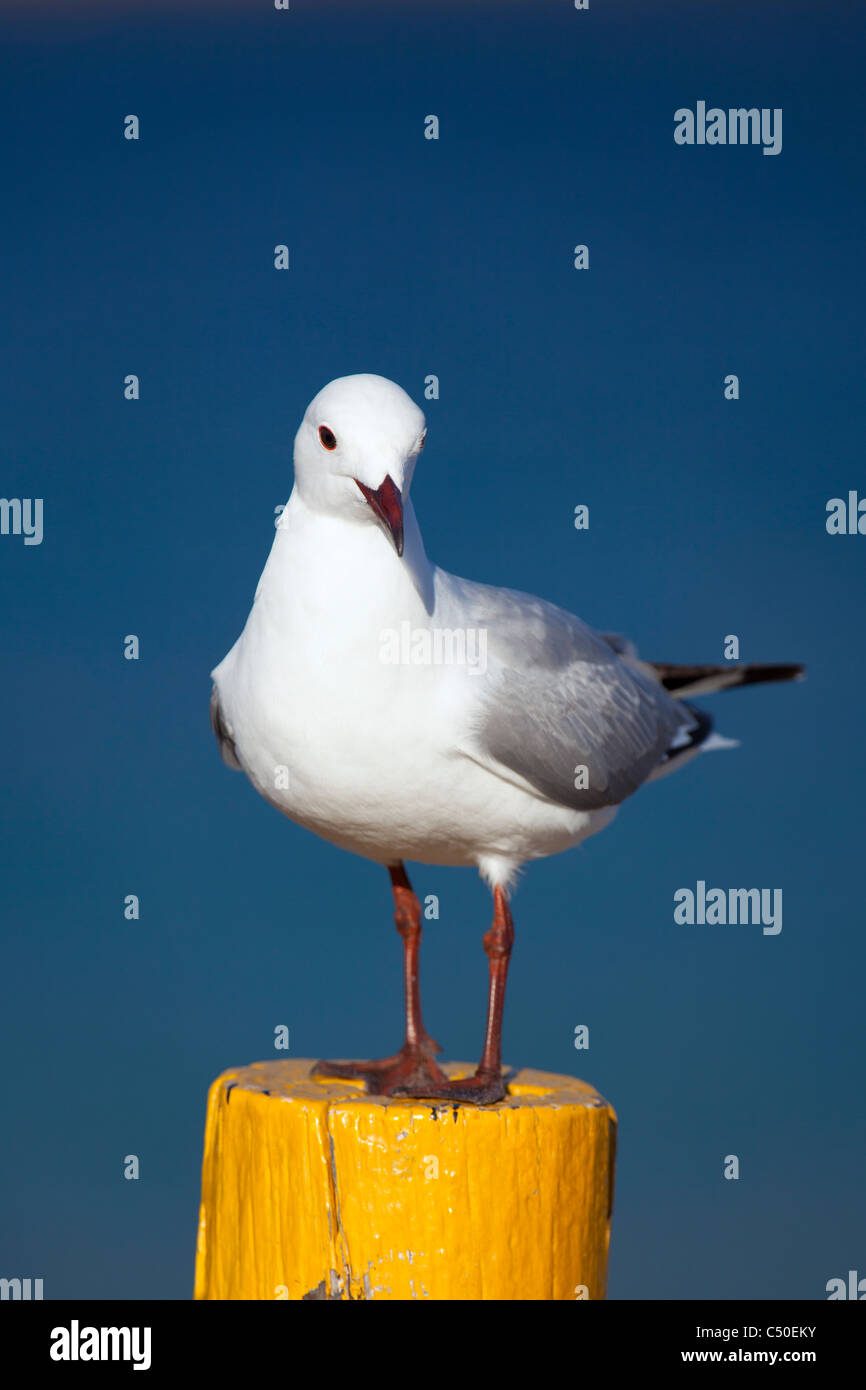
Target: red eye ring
(327,437)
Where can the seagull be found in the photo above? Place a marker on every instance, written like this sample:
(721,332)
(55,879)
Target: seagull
(403,713)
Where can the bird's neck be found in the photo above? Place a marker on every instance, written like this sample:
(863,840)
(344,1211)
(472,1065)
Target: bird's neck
(340,561)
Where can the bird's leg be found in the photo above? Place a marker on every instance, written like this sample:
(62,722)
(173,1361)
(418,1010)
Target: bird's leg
(498,942)
(486,1085)
(407,919)
(413,1065)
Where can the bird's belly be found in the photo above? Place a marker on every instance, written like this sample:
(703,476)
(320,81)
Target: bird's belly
(335,757)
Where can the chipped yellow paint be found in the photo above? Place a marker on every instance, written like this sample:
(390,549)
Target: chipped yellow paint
(313,1189)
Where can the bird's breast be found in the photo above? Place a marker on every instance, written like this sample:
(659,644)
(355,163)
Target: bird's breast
(334,721)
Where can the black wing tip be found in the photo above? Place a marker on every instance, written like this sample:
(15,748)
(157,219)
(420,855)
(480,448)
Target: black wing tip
(675,678)
(758,673)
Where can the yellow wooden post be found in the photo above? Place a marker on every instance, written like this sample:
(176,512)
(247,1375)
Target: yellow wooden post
(313,1189)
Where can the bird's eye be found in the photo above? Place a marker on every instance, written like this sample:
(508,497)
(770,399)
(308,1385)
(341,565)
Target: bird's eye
(328,438)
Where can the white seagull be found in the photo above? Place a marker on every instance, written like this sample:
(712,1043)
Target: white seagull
(405,714)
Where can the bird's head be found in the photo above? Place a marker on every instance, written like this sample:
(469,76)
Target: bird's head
(356,449)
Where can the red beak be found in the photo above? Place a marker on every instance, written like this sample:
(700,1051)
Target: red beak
(388,506)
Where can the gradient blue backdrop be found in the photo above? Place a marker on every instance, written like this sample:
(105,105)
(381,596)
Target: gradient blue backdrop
(412,257)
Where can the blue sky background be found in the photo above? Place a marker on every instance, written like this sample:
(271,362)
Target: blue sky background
(557,387)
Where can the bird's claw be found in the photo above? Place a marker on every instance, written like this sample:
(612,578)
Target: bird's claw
(411,1067)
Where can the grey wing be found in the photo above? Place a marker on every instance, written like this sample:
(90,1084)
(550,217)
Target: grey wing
(562,709)
(223,733)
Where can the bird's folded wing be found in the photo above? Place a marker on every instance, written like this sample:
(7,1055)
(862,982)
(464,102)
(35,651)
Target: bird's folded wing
(559,708)
(223,733)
